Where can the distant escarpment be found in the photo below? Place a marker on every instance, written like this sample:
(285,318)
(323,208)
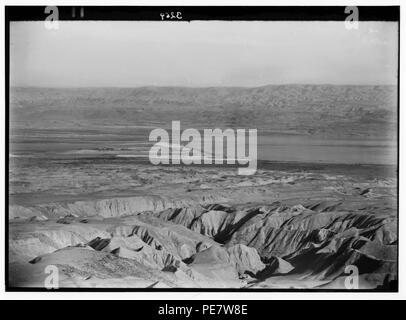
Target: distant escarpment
(310,109)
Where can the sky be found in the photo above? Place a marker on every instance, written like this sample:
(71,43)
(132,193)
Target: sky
(201,53)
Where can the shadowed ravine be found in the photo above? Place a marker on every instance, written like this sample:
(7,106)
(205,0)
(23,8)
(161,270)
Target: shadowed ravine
(278,228)
(324,196)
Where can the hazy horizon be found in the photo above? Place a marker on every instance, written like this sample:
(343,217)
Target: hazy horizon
(201,54)
(206,87)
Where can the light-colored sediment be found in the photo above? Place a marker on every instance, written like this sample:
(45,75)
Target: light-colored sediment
(272,230)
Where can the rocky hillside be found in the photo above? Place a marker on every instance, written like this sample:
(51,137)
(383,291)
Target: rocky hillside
(276,229)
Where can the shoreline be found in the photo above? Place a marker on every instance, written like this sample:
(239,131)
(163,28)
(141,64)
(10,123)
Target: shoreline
(380,169)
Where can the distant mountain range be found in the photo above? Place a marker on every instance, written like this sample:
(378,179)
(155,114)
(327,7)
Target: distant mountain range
(327,110)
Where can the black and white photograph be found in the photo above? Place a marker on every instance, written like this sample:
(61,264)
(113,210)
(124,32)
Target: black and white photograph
(204,148)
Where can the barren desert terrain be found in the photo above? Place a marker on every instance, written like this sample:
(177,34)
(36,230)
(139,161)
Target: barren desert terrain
(83,196)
